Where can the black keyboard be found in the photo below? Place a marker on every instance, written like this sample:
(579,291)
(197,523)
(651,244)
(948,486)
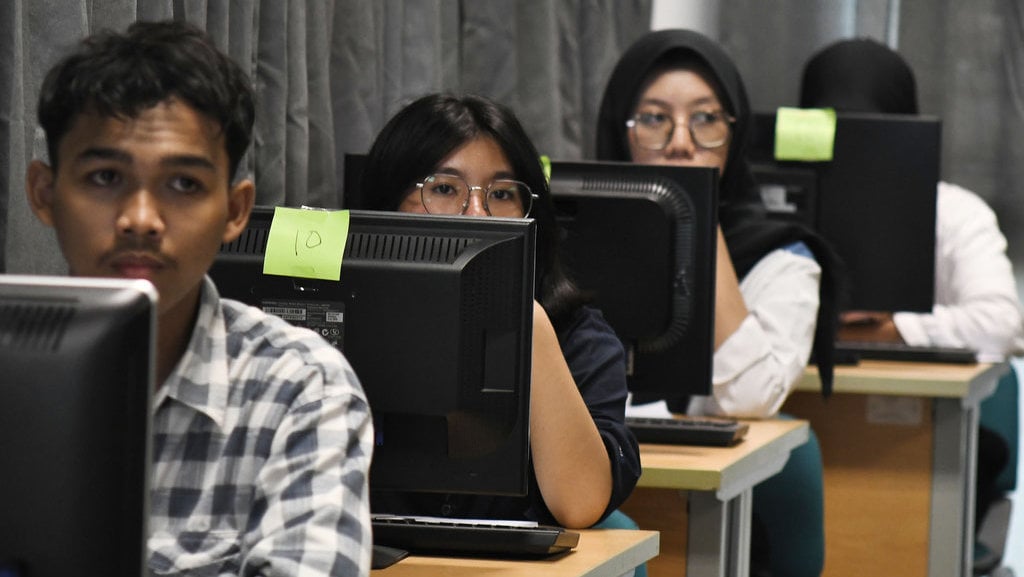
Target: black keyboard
(850,352)
(687,430)
(456,537)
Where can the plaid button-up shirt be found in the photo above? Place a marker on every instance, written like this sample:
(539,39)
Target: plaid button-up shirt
(261,447)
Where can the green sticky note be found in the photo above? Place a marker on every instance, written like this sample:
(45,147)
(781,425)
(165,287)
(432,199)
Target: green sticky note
(545,164)
(805,134)
(306,243)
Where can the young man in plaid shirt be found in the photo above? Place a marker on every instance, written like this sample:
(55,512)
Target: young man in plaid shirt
(262,434)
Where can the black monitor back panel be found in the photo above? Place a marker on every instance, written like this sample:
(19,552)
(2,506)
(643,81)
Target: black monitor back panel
(875,201)
(641,240)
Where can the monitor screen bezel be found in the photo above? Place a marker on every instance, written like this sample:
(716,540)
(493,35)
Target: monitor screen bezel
(85,399)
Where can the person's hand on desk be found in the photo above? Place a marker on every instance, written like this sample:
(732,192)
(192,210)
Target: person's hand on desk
(868,326)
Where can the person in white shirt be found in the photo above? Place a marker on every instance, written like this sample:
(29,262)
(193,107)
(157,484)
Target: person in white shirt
(976,303)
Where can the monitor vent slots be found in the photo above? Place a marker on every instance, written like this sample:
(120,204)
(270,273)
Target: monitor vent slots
(599,184)
(405,248)
(372,245)
(251,241)
(33,327)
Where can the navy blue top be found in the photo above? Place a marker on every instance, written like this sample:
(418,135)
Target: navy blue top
(597,362)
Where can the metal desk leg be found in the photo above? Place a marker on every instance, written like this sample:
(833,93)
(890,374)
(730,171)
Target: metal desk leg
(718,535)
(954,469)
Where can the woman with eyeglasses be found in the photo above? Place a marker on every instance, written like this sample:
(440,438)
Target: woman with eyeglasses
(448,154)
(676,98)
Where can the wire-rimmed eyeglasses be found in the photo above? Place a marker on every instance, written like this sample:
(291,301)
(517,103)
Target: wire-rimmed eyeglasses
(652,130)
(450,194)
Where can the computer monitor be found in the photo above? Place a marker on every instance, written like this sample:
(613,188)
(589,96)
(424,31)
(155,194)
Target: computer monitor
(642,241)
(874,202)
(435,314)
(76,380)
(352,190)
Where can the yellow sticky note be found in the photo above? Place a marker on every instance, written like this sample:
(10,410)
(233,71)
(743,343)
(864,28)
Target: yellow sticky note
(806,134)
(545,164)
(306,243)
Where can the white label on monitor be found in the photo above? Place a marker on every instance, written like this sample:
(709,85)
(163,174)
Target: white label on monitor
(290,314)
(326,318)
(776,198)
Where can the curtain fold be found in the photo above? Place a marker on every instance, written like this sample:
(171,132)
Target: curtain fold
(39,40)
(271,78)
(327,75)
(11,121)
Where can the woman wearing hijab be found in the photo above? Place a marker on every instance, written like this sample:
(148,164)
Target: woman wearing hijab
(676,98)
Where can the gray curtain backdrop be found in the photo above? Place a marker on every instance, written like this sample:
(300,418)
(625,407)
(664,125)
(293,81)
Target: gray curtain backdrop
(328,74)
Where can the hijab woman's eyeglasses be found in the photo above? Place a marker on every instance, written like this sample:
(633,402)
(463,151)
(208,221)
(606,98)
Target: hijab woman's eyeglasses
(653,130)
(449,194)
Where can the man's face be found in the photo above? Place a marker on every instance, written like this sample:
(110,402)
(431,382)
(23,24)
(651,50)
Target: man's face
(145,198)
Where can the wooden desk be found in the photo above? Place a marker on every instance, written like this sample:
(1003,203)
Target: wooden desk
(718,484)
(600,553)
(899,444)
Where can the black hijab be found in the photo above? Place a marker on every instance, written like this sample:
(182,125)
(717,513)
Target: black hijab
(749,234)
(859,75)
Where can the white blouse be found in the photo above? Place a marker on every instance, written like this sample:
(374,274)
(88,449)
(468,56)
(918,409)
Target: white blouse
(976,302)
(757,367)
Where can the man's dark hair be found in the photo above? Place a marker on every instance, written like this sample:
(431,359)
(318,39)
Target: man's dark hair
(121,75)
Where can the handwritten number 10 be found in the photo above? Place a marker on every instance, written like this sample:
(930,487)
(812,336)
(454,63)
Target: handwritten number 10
(310,239)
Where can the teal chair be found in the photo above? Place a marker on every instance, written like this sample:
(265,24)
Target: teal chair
(999,413)
(619,520)
(790,507)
